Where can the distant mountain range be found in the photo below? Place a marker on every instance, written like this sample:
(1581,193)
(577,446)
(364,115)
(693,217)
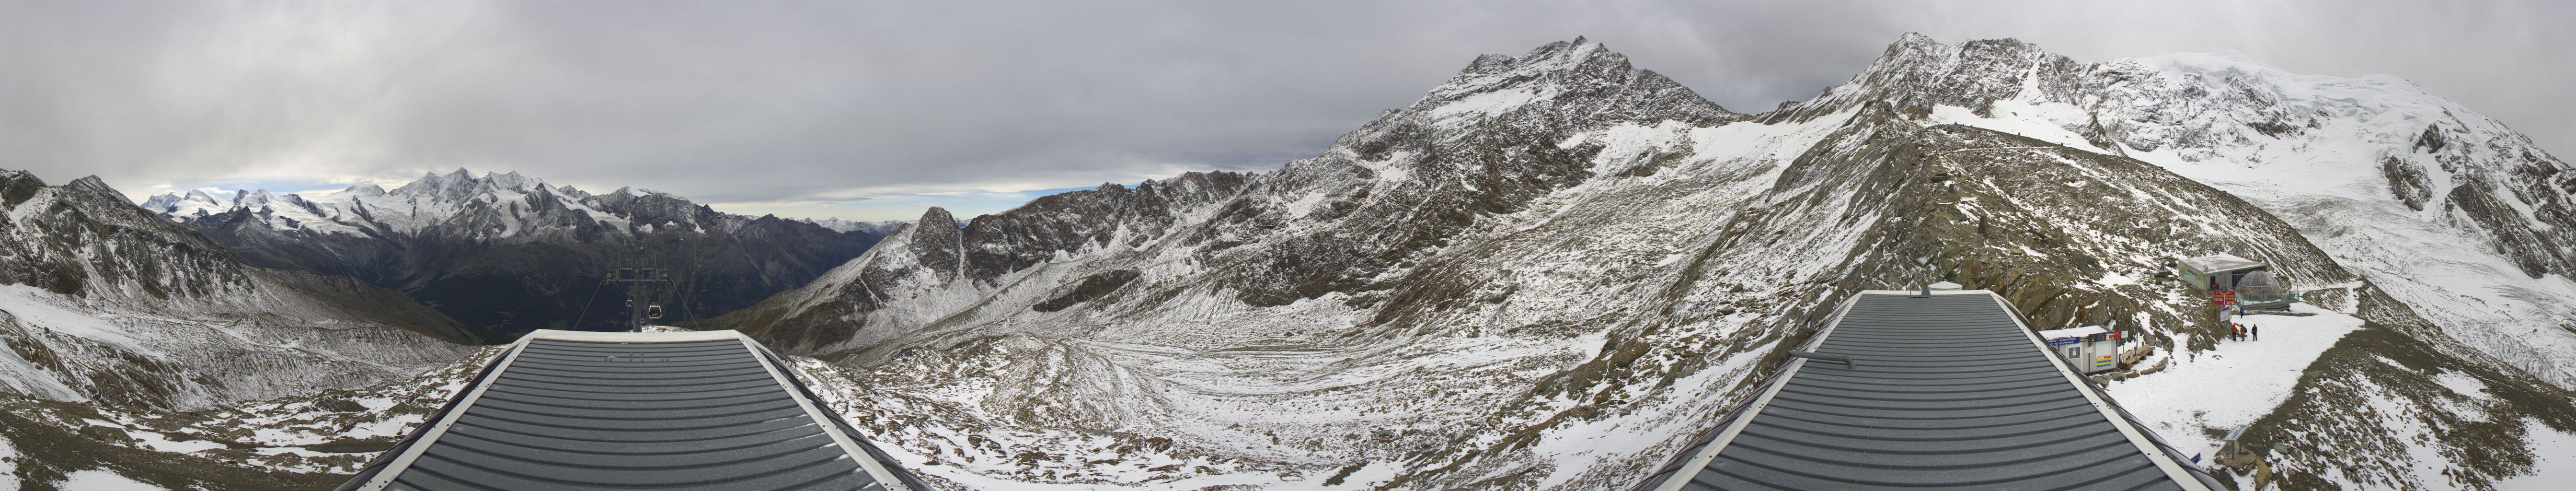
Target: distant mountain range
(507,253)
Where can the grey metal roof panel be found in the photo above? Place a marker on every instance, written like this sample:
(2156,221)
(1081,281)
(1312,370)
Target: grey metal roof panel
(600,411)
(1948,391)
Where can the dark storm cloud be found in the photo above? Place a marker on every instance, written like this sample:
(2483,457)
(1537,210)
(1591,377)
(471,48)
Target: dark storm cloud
(813,108)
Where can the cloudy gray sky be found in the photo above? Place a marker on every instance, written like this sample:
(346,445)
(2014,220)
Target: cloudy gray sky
(873,110)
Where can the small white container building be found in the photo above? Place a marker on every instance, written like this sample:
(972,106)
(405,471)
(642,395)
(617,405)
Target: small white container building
(2092,349)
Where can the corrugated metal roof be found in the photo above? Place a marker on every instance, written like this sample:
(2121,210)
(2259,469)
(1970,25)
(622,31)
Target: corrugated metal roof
(683,411)
(1948,391)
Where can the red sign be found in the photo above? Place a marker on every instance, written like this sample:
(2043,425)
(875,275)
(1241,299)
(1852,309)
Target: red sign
(2222,297)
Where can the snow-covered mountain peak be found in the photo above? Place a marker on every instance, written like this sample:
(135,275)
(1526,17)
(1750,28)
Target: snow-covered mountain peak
(1579,74)
(513,180)
(196,202)
(1916,73)
(635,192)
(461,186)
(93,188)
(433,180)
(938,243)
(1553,59)
(938,215)
(160,202)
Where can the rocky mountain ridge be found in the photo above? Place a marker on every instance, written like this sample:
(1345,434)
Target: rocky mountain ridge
(101,301)
(1554,269)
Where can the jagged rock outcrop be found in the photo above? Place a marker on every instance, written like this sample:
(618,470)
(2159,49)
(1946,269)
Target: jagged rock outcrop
(508,254)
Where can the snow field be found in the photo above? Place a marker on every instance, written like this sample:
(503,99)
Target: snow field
(2553,455)
(99,480)
(8,465)
(2233,385)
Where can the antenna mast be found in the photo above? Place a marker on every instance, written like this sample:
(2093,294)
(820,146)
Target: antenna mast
(639,270)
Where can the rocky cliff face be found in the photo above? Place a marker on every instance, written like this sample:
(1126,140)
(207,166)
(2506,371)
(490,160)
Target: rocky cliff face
(103,301)
(508,254)
(1555,269)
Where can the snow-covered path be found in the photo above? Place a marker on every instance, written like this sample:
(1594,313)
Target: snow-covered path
(2235,384)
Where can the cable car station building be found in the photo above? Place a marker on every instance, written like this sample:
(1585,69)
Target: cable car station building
(2252,281)
(2216,271)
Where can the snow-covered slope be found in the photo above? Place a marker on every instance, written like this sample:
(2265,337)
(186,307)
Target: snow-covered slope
(509,253)
(103,301)
(2458,219)
(2461,218)
(1555,269)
